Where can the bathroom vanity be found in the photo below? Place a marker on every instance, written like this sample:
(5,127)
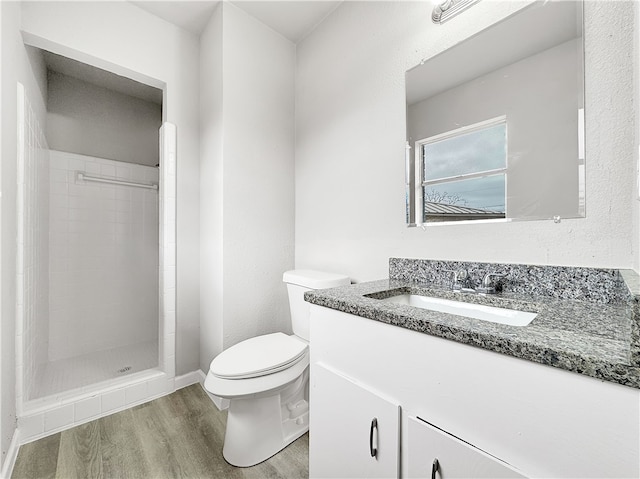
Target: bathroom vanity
(402,391)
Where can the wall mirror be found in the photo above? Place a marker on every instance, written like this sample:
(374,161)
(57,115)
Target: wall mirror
(495,124)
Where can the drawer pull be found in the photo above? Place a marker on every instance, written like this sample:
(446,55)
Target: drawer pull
(374,426)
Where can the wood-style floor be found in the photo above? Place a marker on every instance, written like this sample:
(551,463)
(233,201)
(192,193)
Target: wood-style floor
(179,435)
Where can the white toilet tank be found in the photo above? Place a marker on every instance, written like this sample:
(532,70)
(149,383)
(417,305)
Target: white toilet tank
(301,280)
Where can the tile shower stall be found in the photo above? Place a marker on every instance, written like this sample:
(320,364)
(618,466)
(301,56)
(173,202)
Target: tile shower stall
(103,274)
(96,281)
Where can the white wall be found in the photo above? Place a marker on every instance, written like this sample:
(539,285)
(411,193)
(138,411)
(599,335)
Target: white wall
(636,194)
(247,165)
(39,72)
(211,190)
(125,39)
(90,120)
(14,66)
(103,256)
(350,130)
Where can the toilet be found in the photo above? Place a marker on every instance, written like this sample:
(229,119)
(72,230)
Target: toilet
(266,380)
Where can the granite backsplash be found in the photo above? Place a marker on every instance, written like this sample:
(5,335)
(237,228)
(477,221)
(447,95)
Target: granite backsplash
(562,282)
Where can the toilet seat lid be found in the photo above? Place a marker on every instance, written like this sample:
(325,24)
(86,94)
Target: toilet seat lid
(258,356)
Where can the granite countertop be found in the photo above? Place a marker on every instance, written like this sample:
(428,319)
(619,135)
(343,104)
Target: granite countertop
(600,340)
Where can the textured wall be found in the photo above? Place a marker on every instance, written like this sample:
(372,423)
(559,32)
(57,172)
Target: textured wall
(636,83)
(350,145)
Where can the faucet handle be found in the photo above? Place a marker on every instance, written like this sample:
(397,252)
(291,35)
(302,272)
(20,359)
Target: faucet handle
(487,278)
(457,273)
(460,274)
(485,286)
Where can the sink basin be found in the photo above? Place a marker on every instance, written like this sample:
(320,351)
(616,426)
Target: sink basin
(511,317)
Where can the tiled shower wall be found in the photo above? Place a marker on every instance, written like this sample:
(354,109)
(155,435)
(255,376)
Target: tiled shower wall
(103,256)
(32,282)
(44,416)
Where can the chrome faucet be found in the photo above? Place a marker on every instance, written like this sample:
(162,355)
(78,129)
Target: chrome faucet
(460,280)
(486,287)
(457,274)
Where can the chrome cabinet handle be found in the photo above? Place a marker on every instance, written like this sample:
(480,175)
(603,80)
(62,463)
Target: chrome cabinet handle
(374,426)
(435,468)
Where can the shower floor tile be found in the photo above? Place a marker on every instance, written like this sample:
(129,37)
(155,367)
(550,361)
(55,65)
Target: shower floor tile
(80,371)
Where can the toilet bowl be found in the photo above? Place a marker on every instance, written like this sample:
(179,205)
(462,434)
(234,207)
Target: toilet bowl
(266,380)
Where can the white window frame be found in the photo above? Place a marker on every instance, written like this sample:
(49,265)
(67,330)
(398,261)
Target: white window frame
(420,182)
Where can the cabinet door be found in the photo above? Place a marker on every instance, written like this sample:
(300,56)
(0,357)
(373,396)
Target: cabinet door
(456,458)
(354,432)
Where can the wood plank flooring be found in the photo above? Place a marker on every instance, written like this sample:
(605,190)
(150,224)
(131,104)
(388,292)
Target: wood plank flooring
(176,436)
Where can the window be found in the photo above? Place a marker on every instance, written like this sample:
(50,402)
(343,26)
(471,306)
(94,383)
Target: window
(464,173)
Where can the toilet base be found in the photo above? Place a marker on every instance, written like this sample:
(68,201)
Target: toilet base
(259,427)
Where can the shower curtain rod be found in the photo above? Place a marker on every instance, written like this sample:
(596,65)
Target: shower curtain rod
(83,176)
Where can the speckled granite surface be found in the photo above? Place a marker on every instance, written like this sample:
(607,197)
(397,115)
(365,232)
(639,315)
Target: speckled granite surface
(596,335)
(588,284)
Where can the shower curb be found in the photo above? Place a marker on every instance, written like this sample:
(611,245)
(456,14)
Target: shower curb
(53,418)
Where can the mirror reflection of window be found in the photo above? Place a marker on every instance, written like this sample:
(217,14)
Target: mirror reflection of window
(464,173)
(527,68)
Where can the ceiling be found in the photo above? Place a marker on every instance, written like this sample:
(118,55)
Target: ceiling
(188,14)
(292,19)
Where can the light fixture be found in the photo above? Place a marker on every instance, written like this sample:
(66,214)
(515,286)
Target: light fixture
(448,9)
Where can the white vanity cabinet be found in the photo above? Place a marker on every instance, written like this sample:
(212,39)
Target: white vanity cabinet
(539,420)
(434,453)
(361,437)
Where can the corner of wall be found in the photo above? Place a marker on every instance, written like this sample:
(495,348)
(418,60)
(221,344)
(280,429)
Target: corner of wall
(211,189)
(246,160)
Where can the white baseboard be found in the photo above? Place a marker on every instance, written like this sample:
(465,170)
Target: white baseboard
(189,379)
(198,376)
(10,458)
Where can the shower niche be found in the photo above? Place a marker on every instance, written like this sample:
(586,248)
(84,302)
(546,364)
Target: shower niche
(96,216)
